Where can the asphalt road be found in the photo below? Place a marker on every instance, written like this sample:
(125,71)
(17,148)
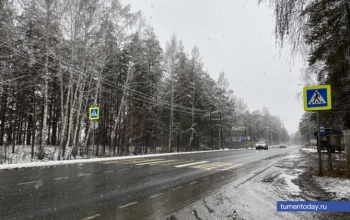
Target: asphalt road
(113,189)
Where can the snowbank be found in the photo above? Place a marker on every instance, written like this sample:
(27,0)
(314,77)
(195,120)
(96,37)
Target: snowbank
(340,187)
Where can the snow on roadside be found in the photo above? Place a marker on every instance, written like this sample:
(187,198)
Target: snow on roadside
(92,160)
(340,187)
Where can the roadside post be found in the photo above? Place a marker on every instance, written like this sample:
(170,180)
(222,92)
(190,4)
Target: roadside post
(318,98)
(94,114)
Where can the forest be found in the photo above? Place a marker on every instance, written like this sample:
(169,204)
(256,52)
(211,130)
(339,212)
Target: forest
(319,32)
(58,58)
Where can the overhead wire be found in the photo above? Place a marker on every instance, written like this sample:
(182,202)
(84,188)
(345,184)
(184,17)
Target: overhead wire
(82,72)
(183,108)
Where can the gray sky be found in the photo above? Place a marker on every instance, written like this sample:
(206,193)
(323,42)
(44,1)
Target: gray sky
(235,37)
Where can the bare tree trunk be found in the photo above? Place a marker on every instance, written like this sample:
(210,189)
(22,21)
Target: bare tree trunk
(171,117)
(121,104)
(46,78)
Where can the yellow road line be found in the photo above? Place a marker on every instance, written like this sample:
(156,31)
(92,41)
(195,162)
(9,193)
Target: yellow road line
(156,162)
(233,167)
(203,165)
(221,165)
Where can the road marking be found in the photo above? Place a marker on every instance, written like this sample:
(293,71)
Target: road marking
(28,183)
(170,162)
(154,162)
(232,167)
(189,164)
(124,169)
(221,165)
(91,217)
(176,162)
(61,178)
(108,171)
(130,204)
(177,188)
(205,165)
(86,174)
(193,182)
(130,161)
(156,195)
(144,161)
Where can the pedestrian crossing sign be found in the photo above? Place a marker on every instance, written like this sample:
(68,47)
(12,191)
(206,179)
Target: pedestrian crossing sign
(94,113)
(317,98)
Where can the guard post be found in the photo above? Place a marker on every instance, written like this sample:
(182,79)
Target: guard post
(318,98)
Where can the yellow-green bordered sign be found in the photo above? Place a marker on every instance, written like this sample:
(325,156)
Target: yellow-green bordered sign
(317,98)
(94,113)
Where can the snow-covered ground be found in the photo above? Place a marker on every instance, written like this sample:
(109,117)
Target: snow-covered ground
(339,187)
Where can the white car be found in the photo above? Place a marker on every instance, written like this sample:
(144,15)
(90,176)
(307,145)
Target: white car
(261,145)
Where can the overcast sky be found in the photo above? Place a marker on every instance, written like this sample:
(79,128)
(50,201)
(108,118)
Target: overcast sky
(235,37)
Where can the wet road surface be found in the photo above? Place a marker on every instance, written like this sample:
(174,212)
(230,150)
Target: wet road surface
(144,188)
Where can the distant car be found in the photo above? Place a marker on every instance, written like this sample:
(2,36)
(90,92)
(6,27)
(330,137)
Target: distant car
(261,145)
(283,146)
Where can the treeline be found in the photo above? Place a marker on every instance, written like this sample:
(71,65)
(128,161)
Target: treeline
(320,32)
(60,57)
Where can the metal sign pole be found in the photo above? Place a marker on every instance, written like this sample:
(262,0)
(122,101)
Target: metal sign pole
(319,143)
(93,138)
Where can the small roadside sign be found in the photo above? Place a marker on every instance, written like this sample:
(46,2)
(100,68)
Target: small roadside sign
(322,132)
(94,125)
(317,98)
(94,113)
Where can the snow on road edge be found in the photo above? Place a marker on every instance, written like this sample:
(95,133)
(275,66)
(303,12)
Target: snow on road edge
(79,161)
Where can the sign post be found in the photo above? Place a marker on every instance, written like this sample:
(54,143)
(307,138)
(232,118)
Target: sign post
(94,114)
(318,98)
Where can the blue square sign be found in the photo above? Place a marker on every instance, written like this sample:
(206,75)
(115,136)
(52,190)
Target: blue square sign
(94,113)
(317,98)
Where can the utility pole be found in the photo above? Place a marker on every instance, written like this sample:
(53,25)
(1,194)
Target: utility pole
(222,140)
(251,139)
(211,131)
(319,143)
(347,20)
(271,139)
(245,134)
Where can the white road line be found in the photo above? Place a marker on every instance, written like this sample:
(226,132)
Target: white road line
(232,167)
(149,160)
(28,183)
(108,171)
(124,169)
(91,217)
(130,204)
(176,162)
(154,196)
(177,188)
(189,164)
(61,178)
(87,174)
(193,182)
(156,162)
(206,165)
